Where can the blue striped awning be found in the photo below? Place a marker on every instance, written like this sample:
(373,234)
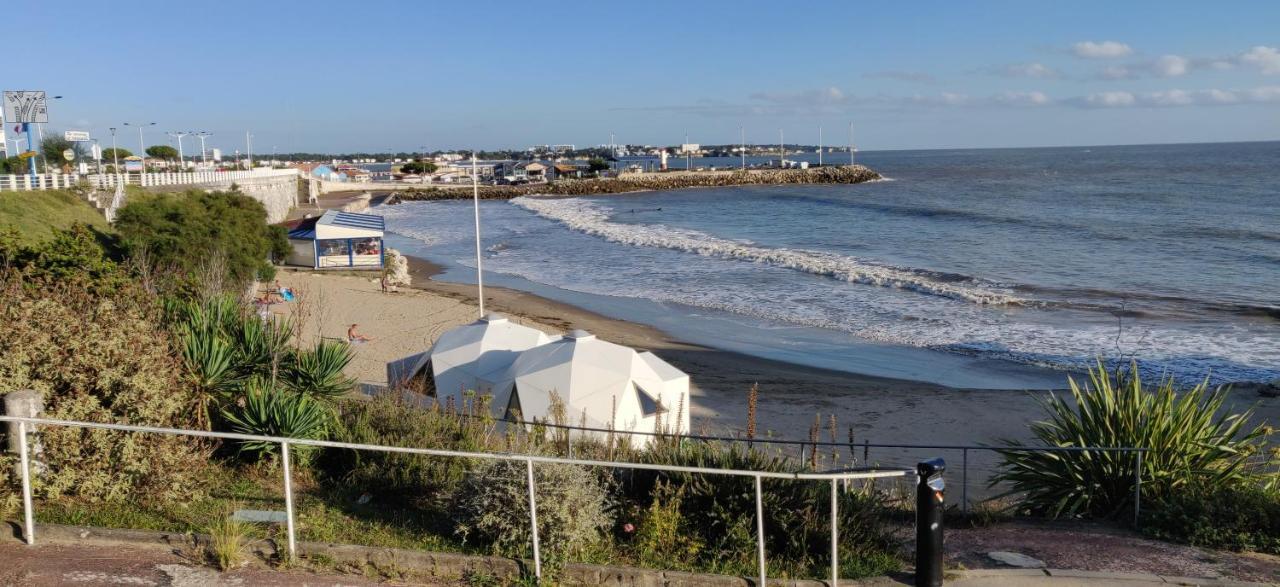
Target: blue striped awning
(353,220)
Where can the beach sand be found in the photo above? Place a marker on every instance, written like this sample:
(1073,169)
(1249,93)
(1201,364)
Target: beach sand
(879,410)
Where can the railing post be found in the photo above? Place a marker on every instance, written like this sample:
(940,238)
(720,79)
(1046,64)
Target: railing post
(29,526)
(288,499)
(964,483)
(533,521)
(835,533)
(760,532)
(866,453)
(1137,489)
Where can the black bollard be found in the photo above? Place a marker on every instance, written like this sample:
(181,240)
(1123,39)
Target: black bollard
(930,499)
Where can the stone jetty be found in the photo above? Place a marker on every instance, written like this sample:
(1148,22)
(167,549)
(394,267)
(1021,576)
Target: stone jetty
(639,182)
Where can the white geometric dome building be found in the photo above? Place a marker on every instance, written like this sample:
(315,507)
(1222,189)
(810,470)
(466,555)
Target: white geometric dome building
(604,384)
(473,357)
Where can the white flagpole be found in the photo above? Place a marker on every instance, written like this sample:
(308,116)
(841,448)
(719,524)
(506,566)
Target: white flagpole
(475,193)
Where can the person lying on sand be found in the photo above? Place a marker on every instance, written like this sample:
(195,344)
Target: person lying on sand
(353,336)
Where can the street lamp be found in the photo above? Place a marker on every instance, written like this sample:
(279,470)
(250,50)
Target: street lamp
(115,153)
(204,154)
(182,161)
(248,150)
(142,146)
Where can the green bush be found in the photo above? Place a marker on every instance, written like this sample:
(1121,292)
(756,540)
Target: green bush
(318,372)
(185,231)
(1241,517)
(100,357)
(1191,442)
(269,411)
(492,506)
(390,420)
(720,509)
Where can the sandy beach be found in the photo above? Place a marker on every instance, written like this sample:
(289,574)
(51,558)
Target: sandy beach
(879,410)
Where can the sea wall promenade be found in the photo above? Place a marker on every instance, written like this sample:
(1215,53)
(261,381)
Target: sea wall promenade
(654,181)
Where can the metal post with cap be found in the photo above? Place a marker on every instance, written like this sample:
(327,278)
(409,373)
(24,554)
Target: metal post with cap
(930,501)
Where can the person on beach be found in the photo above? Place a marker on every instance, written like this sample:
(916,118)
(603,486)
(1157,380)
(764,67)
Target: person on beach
(356,337)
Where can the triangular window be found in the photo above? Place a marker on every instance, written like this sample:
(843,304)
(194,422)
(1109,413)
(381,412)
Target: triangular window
(649,405)
(513,413)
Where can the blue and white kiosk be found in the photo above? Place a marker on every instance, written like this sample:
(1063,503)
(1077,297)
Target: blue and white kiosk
(338,240)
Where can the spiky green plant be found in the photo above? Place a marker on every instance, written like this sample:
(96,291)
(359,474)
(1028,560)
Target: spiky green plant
(271,411)
(1189,439)
(208,362)
(318,372)
(262,347)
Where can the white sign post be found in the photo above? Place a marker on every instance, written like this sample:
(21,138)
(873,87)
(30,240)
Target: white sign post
(25,106)
(76,136)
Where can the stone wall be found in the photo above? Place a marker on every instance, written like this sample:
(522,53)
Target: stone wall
(277,194)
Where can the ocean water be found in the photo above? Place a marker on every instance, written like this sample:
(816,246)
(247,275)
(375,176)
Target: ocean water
(964,265)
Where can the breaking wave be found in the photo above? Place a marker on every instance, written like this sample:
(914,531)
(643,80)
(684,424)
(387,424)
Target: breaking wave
(587,217)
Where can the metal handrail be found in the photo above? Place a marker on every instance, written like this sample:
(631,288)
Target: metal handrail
(529,460)
(866,446)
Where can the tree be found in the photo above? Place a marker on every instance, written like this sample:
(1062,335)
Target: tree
(51,149)
(597,165)
(189,230)
(113,153)
(162,152)
(418,167)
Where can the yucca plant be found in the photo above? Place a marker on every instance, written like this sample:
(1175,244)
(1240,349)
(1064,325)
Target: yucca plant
(1189,439)
(271,411)
(208,362)
(262,347)
(318,372)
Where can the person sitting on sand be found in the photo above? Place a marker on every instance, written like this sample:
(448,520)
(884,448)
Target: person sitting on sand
(353,336)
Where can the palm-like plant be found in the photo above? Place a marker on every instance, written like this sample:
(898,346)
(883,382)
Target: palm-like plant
(262,348)
(209,366)
(271,411)
(318,372)
(1189,440)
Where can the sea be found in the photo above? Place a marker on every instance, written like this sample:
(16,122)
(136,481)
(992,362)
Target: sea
(990,268)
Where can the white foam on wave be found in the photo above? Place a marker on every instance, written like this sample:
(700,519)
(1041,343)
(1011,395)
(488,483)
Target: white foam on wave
(590,218)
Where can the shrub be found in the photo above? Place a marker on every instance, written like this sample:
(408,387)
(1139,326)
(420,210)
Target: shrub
(185,230)
(268,411)
(1190,441)
(318,372)
(492,505)
(721,511)
(663,537)
(393,421)
(1241,517)
(99,357)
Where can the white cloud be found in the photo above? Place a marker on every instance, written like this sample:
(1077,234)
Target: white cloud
(1171,66)
(1110,99)
(1101,49)
(1266,59)
(1117,72)
(1022,98)
(900,75)
(1035,70)
(1175,97)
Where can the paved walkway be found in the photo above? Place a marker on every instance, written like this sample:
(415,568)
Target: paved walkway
(50,565)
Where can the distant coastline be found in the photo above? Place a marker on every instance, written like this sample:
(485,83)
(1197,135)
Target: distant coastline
(642,182)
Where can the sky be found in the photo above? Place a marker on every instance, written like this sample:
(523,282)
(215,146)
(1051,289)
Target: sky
(391,76)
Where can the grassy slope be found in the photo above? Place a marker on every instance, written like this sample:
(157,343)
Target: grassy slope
(35,214)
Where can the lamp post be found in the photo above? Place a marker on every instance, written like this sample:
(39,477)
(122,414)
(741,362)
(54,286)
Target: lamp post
(142,146)
(819,145)
(204,154)
(743,132)
(182,160)
(248,150)
(851,149)
(115,152)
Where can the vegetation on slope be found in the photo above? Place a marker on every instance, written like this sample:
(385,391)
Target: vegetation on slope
(33,216)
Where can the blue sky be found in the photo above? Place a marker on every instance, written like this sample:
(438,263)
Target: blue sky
(378,76)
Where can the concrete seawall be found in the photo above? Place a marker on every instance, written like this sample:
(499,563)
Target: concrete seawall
(656,181)
(277,194)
